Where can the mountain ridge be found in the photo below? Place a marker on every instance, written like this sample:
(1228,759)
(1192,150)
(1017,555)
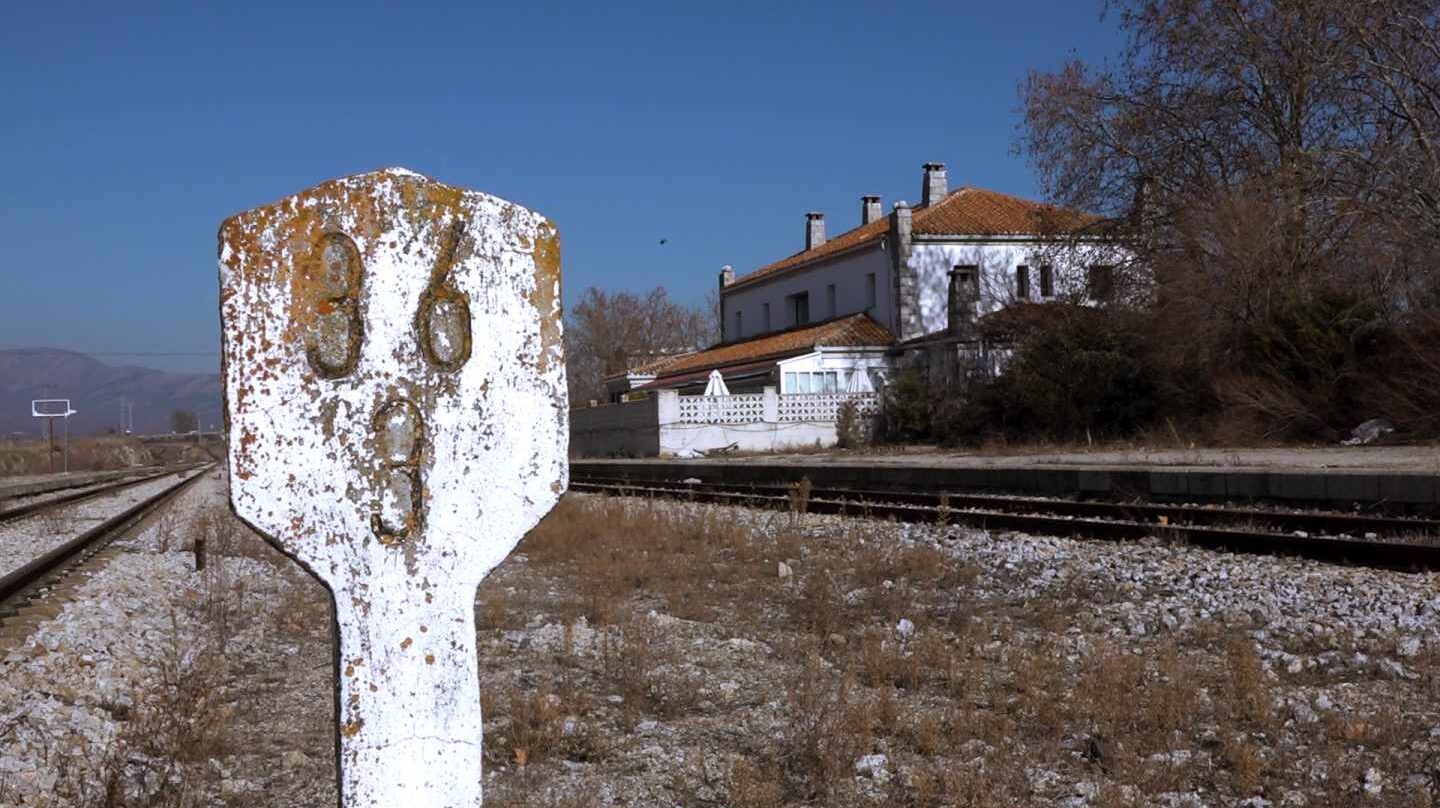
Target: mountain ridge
(95,390)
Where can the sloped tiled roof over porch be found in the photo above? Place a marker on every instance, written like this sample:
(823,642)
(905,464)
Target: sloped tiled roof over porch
(855,330)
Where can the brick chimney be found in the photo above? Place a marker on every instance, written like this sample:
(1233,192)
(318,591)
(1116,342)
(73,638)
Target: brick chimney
(869,209)
(814,230)
(727,276)
(934,187)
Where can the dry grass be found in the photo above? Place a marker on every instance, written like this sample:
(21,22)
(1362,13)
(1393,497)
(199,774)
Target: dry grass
(972,705)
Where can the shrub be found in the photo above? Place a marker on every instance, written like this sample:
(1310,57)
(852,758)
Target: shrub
(852,430)
(905,408)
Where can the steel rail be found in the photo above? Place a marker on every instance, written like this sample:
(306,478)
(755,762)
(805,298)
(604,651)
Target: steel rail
(1361,552)
(30,508)
(1336,524)
(23,579)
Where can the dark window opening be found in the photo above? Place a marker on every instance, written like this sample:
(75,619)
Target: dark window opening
(1047,282)
(830,301)
(739,325)
(799,306)
(1022,282)
(1101,282)
(870,290)
(765,316)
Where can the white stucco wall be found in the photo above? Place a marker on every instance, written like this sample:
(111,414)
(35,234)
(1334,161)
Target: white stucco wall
(847,272)
(998,260)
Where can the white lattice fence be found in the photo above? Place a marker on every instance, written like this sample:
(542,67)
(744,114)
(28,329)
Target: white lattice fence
(823,406)
(744,409)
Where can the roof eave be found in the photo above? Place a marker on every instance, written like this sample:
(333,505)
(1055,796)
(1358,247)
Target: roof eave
(755,278)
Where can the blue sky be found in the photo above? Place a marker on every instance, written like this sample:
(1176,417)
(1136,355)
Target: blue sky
(132,129)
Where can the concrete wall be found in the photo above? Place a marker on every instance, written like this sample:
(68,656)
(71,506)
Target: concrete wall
(687,440)
(846,272)
(616,430)
(662,426)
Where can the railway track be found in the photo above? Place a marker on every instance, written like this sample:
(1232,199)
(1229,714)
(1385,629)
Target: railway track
(1372,541)
(37,577)
(31,508)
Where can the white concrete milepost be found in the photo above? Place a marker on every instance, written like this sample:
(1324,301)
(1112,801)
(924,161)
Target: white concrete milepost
(396,405)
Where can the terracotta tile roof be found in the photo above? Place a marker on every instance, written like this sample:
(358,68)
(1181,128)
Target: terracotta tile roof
(863,234)
(977,212)
(647,365)
(700,377)
(964,212)
(854,329)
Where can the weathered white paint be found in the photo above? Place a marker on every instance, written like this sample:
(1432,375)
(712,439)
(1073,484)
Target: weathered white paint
(932,261)
(846,271)
(323,463)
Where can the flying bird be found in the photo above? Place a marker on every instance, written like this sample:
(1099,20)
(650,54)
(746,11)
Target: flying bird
(663,241)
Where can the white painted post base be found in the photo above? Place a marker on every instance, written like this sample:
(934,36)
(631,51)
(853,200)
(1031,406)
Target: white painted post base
(409,697)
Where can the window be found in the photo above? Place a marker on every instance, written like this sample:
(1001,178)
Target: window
(799,308)
(1022,282)
(764,316)
(830,300)
(870,290)
(1047,282)
(809,382)
(739,325)
(1100,282)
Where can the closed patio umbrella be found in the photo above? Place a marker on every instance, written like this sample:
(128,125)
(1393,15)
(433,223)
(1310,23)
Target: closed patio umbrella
(716,385)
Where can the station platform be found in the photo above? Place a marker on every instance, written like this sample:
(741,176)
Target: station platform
(1401,479)
(32,484)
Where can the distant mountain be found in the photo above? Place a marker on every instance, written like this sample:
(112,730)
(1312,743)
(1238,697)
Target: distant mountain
(95,390)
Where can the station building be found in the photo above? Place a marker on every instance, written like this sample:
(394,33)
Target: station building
(909,285)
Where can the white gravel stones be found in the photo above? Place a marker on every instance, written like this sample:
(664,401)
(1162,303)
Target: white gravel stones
(874,767)
(24,540)
(135,633)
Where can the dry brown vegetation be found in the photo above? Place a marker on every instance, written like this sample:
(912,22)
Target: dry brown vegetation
(645,653)
(682,639)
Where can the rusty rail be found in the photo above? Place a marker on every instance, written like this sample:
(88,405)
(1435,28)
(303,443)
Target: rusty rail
(30,508)
(18,582)
(1227,529)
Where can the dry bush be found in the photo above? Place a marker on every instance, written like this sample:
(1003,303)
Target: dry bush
(1249,693)
(158,759)
(830,726)
(167,529)
(755,786)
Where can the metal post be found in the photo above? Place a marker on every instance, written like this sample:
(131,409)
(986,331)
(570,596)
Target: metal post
(50,422)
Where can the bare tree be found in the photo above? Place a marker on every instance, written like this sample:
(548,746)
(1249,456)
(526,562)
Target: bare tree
(607,331)
(1272,166)
(183,421)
